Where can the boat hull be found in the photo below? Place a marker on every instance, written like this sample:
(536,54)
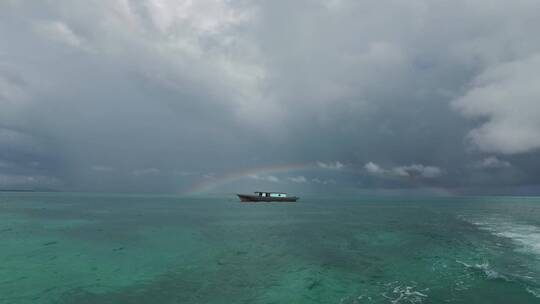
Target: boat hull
(256,198)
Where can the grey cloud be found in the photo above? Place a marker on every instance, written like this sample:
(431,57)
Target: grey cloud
(298,179)
(418,170)
(29,182)
(60,32)
(323,181)
(492,162)
(267,178)
(185,173)
(146,171)
(414,170)
(221,86)
(101,168)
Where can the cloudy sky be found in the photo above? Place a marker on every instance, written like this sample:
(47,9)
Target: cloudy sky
(184,96)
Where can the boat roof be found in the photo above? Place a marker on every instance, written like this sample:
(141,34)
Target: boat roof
(270,192)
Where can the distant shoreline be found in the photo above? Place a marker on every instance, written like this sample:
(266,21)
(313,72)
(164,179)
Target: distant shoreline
(28,190)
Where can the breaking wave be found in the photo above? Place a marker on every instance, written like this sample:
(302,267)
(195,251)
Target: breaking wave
(484,268)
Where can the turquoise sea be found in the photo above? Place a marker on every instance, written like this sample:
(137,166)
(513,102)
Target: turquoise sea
(111,248)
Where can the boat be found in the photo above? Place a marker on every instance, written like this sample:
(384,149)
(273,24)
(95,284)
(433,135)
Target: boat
(261,196)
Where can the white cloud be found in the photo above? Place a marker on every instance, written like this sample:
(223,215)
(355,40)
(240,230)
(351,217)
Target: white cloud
(330,165)
(298,179)
(492,162)
(507,97)
(205,16)
(414,170)
(373,168)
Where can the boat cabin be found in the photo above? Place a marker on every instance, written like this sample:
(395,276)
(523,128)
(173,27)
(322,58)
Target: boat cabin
(271,194)
(264,196)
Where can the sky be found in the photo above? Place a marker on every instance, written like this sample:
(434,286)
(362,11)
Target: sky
(215,96)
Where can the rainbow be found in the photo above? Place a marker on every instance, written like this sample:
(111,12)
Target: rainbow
(208,184)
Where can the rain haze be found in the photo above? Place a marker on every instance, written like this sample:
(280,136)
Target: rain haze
(206,96)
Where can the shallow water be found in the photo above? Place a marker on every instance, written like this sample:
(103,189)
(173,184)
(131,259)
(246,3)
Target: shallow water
(101,248)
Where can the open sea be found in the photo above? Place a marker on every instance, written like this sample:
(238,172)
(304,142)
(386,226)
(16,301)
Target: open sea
(112,248)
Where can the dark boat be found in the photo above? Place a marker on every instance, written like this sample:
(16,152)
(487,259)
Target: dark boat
(267,197)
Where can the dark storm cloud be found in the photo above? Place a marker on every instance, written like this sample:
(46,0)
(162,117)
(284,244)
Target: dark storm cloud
(158,95)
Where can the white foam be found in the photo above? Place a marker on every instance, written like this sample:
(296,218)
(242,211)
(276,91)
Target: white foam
(526,237)
(534,291)
(405,294)
(490,273)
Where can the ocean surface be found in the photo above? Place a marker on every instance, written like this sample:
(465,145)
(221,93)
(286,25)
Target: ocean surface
(111,248)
